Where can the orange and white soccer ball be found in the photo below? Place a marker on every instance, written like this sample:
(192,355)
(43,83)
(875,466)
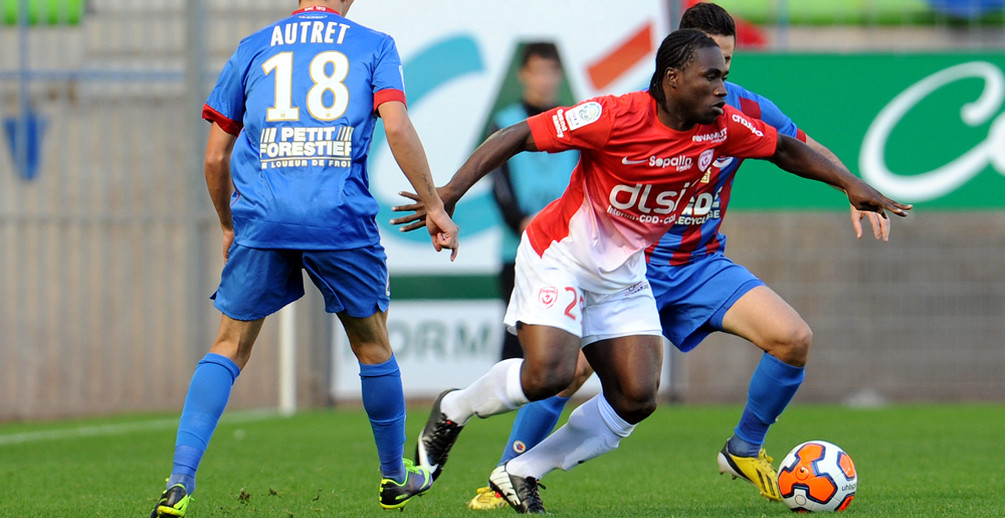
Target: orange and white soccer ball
(817,476)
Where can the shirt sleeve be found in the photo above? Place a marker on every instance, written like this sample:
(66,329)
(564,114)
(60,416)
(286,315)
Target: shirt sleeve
(586,125)
(388,75)
(225,105)
(748,137)
(768,112)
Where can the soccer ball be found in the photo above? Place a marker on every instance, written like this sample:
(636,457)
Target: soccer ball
(817,476)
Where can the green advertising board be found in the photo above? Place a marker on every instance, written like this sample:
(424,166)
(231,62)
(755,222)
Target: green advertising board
(42,12)
(924,129)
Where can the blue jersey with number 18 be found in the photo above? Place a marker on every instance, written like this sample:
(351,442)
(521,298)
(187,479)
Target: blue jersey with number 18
(305,90)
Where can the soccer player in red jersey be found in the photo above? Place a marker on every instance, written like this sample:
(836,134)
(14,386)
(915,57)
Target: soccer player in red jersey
(580,274)
(699,290)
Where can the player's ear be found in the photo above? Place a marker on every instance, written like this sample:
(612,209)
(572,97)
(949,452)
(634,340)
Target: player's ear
(671,76)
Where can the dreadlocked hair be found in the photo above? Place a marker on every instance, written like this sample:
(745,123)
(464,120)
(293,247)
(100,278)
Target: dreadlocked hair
(708,18)
(677,50)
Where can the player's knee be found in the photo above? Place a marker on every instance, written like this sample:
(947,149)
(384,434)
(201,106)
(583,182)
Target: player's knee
(544,381)
(636,403)
(232,348)
(794,347)
(634,409)
(583,373)
(371,351)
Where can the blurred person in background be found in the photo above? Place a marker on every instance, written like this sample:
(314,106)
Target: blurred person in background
(698,291)
(580,270)
(293,115)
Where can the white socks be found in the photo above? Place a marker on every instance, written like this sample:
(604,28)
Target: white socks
(499,390)
(594,428)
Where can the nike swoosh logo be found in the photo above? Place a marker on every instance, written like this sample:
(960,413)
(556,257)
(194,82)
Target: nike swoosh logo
(626,161)
(424,460)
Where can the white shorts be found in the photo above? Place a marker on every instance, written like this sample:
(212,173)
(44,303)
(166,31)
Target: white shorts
(548,293)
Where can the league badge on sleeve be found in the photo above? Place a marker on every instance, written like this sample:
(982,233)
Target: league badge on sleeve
(583,114)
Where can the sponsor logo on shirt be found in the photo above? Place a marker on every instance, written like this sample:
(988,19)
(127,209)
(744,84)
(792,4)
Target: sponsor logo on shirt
(638,203)
(328,146)
(702,208)
(681,162)
(559,121)
(715,138)
(745,122)
(583,114)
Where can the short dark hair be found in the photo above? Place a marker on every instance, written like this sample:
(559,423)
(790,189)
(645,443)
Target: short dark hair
(708,18)
(677,50)
(541,49)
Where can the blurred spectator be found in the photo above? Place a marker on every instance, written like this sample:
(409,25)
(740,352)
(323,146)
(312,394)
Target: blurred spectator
(528,181)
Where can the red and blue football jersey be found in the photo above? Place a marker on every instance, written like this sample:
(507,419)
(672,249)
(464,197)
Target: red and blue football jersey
(696,232)
(304,90)
(632,181)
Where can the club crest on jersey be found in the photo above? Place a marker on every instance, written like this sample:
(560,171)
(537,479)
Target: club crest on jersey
(547,296)
(583,114)
(705,159)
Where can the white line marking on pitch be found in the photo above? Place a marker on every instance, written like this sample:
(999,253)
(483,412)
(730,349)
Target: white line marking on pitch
(122,428)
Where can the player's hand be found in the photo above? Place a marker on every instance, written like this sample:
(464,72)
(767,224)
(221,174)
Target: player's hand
(417,218)
(443,231)
(228,240)
(880,225)
(864,198)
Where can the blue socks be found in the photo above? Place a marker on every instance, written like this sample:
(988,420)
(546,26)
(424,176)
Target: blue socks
(533,423)
(207,397)
(772,386)
(384,403)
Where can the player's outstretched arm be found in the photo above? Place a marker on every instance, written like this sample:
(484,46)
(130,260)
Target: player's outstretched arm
(880,226)
(496,150)
(411,157)
(217,169)
(800,159)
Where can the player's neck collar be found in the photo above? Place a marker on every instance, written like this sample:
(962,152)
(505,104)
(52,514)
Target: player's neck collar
(317,8)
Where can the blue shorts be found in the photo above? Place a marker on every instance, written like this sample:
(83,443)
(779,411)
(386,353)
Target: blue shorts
(693,298)
(258,282)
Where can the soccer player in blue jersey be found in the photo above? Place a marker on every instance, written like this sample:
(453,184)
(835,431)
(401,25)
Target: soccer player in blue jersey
(293,115)
(699,290)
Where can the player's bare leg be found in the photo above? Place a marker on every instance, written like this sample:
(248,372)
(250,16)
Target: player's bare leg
(236,338)
(765,319)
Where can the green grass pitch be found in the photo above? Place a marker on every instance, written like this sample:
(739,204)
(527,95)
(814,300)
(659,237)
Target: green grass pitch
(912,461)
